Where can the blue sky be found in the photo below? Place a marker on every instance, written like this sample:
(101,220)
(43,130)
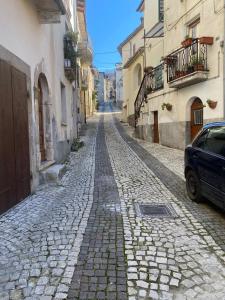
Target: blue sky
(109,23)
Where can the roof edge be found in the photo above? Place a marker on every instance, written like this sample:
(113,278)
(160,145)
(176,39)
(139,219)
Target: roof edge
(140,7)
(139,28)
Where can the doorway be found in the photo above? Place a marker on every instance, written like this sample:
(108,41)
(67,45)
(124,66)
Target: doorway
(196,117)
(41,122)
(156,128)
(14,137)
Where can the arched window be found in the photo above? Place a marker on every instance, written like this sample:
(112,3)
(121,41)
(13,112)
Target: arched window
(137,76)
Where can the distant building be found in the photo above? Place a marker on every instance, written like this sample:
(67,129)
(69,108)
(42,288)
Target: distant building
(101,87)
(119,85)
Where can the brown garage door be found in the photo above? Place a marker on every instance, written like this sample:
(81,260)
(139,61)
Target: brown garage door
(14,138)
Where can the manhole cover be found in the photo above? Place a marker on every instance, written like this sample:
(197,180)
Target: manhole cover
(155,210)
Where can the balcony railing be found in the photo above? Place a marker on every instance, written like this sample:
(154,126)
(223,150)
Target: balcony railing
(152,81)
(85,50)
(187,60)
(49,11)
(70,55)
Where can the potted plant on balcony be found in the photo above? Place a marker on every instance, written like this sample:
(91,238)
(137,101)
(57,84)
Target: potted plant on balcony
(187,42)
(170,59)
(197,63)
(206,40)
(148,69)
(148,90)
(70,55)
(212,104)
(168,106)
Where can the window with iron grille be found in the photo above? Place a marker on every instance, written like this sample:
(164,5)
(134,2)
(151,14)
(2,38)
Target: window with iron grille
(198,117)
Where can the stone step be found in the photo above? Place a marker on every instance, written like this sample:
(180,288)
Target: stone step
(52,174)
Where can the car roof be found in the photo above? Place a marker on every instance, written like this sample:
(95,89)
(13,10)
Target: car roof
(214,124)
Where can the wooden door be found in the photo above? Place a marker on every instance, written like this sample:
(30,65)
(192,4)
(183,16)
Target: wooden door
(156,128)
(7,151)
(21,134)
(196,117)
(14,137)
(41,122)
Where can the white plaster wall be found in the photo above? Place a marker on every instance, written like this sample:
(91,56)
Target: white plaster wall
(127,49)
(34,43)
(176,20)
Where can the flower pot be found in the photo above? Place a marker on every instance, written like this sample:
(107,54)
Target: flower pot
(169,60)
(207,40)
(199,67)
(169,107)
(190,69)
(186,43)
(212,104)
(148,69)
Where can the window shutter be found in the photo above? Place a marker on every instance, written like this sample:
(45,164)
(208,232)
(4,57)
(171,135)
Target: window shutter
(161,10)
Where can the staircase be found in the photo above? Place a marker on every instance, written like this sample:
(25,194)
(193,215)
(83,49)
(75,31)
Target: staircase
(152,81)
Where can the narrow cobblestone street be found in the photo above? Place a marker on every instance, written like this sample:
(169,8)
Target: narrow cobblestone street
(86,238)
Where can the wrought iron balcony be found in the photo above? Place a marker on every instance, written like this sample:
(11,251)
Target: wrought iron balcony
(188,65)
(49,11)
(70,55)
(152,82)
(85,51)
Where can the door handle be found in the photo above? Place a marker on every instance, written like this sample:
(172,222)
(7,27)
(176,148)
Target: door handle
(195,156)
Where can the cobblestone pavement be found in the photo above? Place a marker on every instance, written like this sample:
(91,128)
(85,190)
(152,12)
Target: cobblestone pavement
(86,239)
(41,237)
(171,258)
(101,269)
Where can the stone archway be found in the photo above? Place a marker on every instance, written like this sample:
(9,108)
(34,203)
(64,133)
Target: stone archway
(44,137)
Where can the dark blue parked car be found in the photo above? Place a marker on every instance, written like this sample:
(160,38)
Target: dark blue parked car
(205,165)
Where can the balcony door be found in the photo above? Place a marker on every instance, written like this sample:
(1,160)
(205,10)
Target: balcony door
(196,117)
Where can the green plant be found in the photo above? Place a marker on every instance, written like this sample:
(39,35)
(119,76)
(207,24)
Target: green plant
(70,42)
(94,95)
(97,105)
(196,60)
(168,106)
(76,145)
(187,36)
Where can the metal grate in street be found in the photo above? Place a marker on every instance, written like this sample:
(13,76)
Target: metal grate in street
(155,210)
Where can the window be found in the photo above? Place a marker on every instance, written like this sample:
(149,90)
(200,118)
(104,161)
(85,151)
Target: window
(63,105)
(215,141)
(193,29)
(200,141)
(198,116)
(161,10)
(139,76)
(193,32)
(134,49)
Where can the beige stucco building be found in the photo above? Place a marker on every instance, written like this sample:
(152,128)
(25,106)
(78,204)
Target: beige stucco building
(183,86)
(132,52)
(39,91)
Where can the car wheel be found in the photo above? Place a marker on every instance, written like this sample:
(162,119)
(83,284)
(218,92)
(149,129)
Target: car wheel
(193,187)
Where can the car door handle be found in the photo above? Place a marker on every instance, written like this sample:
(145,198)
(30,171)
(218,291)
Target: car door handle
(195,156)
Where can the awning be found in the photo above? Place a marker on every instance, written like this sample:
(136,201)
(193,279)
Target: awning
(156,31)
